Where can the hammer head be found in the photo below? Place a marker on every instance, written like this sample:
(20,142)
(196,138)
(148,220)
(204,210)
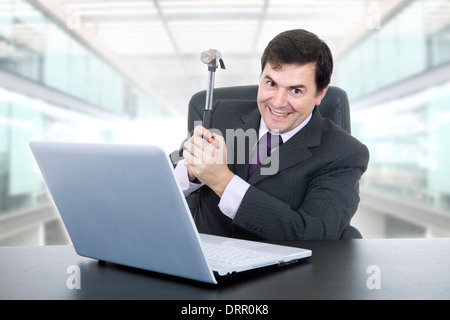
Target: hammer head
(211,57)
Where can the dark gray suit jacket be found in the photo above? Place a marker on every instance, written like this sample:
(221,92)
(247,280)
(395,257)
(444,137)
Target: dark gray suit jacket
(314,195)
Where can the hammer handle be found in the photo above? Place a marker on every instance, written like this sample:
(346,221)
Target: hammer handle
(209,100)
(207,118)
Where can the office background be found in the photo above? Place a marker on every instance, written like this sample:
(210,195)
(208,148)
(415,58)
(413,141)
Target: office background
(123,71)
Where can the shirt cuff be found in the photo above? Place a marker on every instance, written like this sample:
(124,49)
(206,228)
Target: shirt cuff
(232,196)
(182,177)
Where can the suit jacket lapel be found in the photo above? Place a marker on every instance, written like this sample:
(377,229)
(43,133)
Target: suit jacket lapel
(296,149)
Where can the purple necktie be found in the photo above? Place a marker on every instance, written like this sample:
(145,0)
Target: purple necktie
(263,150)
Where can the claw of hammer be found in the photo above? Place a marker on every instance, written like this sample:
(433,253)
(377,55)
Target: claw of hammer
(211,57)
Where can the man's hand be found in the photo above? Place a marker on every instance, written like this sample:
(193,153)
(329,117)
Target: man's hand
(205,157)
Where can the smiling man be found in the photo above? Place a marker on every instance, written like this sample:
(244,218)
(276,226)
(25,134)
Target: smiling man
(314,191)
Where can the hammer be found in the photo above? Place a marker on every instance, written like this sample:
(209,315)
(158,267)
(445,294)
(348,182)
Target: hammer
(210,57)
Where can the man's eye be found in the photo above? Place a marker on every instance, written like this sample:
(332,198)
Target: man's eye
(271,83)
(296,91)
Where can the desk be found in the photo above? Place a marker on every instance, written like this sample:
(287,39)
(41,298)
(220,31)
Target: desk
(341,269)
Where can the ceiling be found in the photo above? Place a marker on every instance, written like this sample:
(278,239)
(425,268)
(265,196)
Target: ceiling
(162,39)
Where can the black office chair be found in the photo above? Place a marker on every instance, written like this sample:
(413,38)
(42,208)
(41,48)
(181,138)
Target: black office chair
(334,106)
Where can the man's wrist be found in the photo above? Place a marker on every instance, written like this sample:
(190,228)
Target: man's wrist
(182,176)
(222,183)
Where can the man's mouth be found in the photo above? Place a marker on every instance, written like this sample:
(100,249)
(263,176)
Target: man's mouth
(278,115)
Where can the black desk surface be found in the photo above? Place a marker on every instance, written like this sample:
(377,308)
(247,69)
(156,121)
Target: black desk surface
(343,269)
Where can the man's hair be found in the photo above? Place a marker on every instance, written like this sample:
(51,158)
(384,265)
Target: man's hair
(300,47)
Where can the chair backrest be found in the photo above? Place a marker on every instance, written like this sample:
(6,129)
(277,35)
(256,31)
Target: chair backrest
(334,106)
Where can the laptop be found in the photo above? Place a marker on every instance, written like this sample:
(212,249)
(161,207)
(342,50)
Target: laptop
(122,204)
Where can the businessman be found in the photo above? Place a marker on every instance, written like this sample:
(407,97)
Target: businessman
(309,187)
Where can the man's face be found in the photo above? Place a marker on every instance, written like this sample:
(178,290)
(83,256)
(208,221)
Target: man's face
(287,96)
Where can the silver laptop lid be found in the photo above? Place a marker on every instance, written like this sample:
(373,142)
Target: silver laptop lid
(106,196)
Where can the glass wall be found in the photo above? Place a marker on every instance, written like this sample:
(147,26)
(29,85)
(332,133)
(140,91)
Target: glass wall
(413,41)
(36,48)
(407,132)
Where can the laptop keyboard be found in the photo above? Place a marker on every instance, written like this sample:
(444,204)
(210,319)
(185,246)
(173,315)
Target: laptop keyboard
(231,255)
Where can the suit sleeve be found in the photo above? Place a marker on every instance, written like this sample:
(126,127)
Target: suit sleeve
(331,199)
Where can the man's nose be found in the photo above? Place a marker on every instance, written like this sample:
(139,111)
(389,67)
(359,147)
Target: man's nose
(279,99)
